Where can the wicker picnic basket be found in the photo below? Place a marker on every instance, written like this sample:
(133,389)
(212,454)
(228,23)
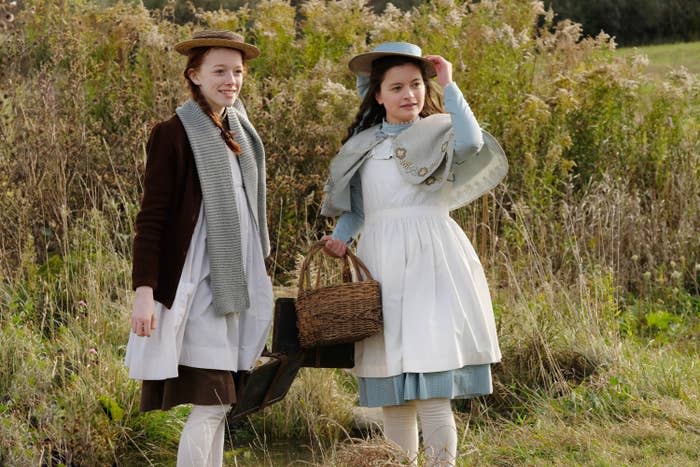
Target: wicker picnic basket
(339,313)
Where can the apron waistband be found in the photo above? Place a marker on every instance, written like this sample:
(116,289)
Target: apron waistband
(407,211)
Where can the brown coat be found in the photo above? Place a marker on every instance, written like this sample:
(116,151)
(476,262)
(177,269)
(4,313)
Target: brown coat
(164,227)
(169,211)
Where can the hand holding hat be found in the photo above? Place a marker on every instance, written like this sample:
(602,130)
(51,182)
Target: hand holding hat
(443,69)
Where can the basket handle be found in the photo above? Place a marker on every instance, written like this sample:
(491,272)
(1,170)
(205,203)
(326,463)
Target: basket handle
(349,260)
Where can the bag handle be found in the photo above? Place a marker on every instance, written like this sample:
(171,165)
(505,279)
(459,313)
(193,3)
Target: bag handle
(350,260)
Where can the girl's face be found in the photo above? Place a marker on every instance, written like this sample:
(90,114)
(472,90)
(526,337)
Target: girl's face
(220,77)
(402,93)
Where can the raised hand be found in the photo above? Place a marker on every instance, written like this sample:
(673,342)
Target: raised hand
(443,69)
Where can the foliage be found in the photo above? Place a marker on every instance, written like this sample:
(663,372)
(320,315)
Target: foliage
(590,244)
(635,22)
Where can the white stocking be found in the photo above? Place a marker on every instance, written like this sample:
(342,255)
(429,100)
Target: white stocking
(400,426)
(437,424)
(202,438)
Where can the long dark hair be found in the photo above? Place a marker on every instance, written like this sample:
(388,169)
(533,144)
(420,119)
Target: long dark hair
(195,57)
(372,113)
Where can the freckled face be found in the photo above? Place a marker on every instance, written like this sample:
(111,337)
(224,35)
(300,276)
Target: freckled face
(220,77)
(402,93)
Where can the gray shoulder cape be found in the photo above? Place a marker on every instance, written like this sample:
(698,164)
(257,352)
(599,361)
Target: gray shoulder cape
(425,155)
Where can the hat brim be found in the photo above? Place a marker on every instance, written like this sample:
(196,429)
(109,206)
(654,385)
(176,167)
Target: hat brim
(361,64)
(249,51)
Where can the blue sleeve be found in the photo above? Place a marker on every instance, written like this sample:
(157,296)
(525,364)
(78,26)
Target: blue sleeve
(350,223)
(468,137)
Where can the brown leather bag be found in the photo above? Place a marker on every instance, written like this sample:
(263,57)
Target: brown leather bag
(270,381)
(264,385)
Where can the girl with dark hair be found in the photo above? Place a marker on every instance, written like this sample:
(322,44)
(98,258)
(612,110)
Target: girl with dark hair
(404,165)
(203,303)
(371,112)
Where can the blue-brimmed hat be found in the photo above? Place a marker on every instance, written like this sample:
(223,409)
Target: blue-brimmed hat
(362,64)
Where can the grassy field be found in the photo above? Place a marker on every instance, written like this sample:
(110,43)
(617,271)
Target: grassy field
(641,410)
(666,57)
(590,245)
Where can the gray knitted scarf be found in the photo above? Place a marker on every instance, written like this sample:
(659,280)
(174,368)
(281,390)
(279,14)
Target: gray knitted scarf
(228,279)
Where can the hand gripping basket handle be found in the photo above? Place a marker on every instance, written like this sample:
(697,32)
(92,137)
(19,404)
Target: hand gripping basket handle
(349,260)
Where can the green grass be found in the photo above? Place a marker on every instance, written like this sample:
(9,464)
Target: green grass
(667,57)
(592,257)
(642,410)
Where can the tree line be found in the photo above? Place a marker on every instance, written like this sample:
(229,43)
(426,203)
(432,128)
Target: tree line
(631,22)
(634,22)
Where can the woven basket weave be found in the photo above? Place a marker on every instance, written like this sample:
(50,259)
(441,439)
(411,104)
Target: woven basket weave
(338,313)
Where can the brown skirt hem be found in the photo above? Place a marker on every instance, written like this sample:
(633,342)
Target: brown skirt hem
(198,386)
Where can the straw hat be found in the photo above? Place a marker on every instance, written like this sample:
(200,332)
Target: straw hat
(362,64)
(225,39)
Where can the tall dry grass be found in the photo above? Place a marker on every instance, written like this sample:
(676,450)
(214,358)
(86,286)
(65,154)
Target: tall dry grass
(590,244)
